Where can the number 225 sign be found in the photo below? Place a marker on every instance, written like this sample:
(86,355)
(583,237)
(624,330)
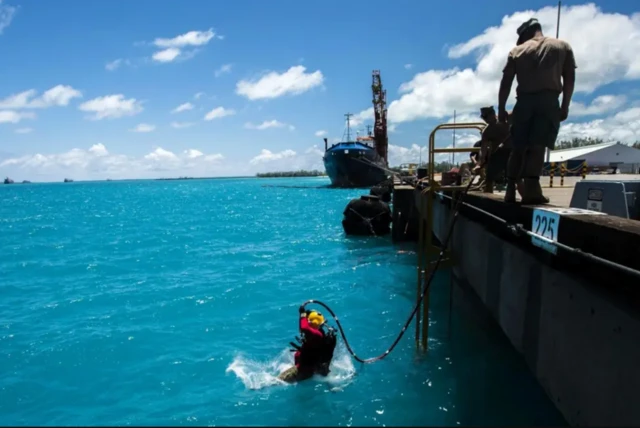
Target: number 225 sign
(545,224)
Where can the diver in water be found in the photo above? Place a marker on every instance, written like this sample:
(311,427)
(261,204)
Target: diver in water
(315,353)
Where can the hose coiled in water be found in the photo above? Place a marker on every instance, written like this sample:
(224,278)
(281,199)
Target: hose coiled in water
(426,287)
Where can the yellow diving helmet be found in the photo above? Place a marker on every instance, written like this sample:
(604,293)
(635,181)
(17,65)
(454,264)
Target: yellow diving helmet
(315,318)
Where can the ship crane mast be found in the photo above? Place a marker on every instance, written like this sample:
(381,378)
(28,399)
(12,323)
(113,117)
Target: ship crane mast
(380,112)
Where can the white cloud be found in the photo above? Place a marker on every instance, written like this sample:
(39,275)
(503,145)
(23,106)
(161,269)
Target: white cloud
(399,154)
(467,139)
(218,113)
(214,158)
(161,155)
(111,106)
(600,105)
(408,66)
(623,126)
(199,156)
(98,150)
(226,68)
(294,81)
(320,133)
(115,64)
(23,130)
(166,55)
(59,95)
(438,93)
(144,127)
(268,156)
(191,38)
(10,116)
(198,95)
(605,46)
(362,117)
(172,48)
(6,15)
(466,118)
(183,107)
(286,160)
(268,124)
(98,163)
(193,153)
(180,125)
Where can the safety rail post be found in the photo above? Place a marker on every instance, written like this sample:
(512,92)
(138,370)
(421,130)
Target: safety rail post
(427,249)
(552,167)
(421,264)
(563,169)
(584,170)
(428,268)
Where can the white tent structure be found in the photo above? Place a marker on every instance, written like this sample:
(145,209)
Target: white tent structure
(606,155)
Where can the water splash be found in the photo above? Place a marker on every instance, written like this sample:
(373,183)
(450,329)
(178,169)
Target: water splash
(259,374)
(256,374)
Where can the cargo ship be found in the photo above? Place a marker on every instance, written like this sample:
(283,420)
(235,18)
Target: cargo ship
(354,163)
(361,163)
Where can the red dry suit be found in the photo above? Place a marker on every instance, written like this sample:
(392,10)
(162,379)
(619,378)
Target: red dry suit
(313,341)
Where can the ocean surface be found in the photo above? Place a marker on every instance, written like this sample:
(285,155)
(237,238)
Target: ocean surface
(173,303)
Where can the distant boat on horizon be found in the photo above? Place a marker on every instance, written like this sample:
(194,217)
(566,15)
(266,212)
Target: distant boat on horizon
(7,180)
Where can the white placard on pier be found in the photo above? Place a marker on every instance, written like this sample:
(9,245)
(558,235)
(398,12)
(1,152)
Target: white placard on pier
(546,223)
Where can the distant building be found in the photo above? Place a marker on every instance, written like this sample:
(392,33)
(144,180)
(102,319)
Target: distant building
(602,156)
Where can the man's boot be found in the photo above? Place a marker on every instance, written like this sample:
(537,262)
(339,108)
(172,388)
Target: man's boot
(520,187)
(532,192)
(510,193)
(488,186)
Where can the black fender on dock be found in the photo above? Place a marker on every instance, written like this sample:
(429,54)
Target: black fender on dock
(381,192)
(367,216)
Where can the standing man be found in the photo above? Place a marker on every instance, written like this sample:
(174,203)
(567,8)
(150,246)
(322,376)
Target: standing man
(545,67)
(496,141)
(474,157)
(494,136)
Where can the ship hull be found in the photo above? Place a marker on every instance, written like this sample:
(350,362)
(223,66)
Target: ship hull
(354,167)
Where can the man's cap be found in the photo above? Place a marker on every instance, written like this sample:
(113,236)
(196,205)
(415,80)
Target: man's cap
(526,25)
(487,110)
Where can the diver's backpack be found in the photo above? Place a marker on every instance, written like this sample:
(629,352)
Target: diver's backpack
(321,356)
(330,341)
(326,353)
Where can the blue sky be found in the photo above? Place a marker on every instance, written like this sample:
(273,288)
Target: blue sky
(213,55)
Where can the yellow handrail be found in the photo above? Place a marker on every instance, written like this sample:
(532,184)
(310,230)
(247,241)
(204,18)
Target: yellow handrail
(425,241)
(480,126)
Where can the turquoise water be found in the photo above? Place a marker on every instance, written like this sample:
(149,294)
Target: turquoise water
(172,303)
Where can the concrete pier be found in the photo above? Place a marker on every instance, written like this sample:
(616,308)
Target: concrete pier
(576,321)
